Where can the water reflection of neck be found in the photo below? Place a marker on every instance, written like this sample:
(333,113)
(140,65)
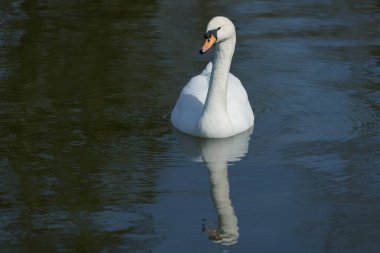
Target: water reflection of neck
(228,226)
(215,154)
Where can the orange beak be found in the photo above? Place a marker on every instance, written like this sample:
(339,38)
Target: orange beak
(208,44)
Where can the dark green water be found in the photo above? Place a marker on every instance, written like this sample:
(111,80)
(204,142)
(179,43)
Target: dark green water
(90,163)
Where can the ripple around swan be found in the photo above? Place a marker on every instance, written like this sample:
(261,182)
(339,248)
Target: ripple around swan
(318,119)
(89,159)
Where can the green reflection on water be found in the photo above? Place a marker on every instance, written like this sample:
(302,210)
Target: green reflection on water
(70,117)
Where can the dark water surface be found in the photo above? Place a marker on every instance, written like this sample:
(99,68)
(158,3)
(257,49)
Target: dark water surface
(90,163)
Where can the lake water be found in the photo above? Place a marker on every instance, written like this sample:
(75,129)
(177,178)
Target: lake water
(89,161)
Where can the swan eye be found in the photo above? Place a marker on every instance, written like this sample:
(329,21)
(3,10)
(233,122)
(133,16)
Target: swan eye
(219,28)
(211,32)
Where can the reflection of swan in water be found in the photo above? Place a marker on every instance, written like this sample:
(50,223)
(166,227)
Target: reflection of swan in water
(216,153)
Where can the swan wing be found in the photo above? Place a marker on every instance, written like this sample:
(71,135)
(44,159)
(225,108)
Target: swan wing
(190,103)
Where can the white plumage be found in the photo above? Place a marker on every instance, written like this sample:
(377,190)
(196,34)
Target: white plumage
(215,104)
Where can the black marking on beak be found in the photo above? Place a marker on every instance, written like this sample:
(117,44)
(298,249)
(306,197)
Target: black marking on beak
(212,32)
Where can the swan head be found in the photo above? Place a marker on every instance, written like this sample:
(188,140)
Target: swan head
(218,30)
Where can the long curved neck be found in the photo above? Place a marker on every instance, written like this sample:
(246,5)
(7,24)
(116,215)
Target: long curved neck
(217,94)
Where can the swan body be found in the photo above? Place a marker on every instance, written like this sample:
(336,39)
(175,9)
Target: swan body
(214,104)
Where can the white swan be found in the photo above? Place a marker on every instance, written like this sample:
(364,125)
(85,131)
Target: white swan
(214,104)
